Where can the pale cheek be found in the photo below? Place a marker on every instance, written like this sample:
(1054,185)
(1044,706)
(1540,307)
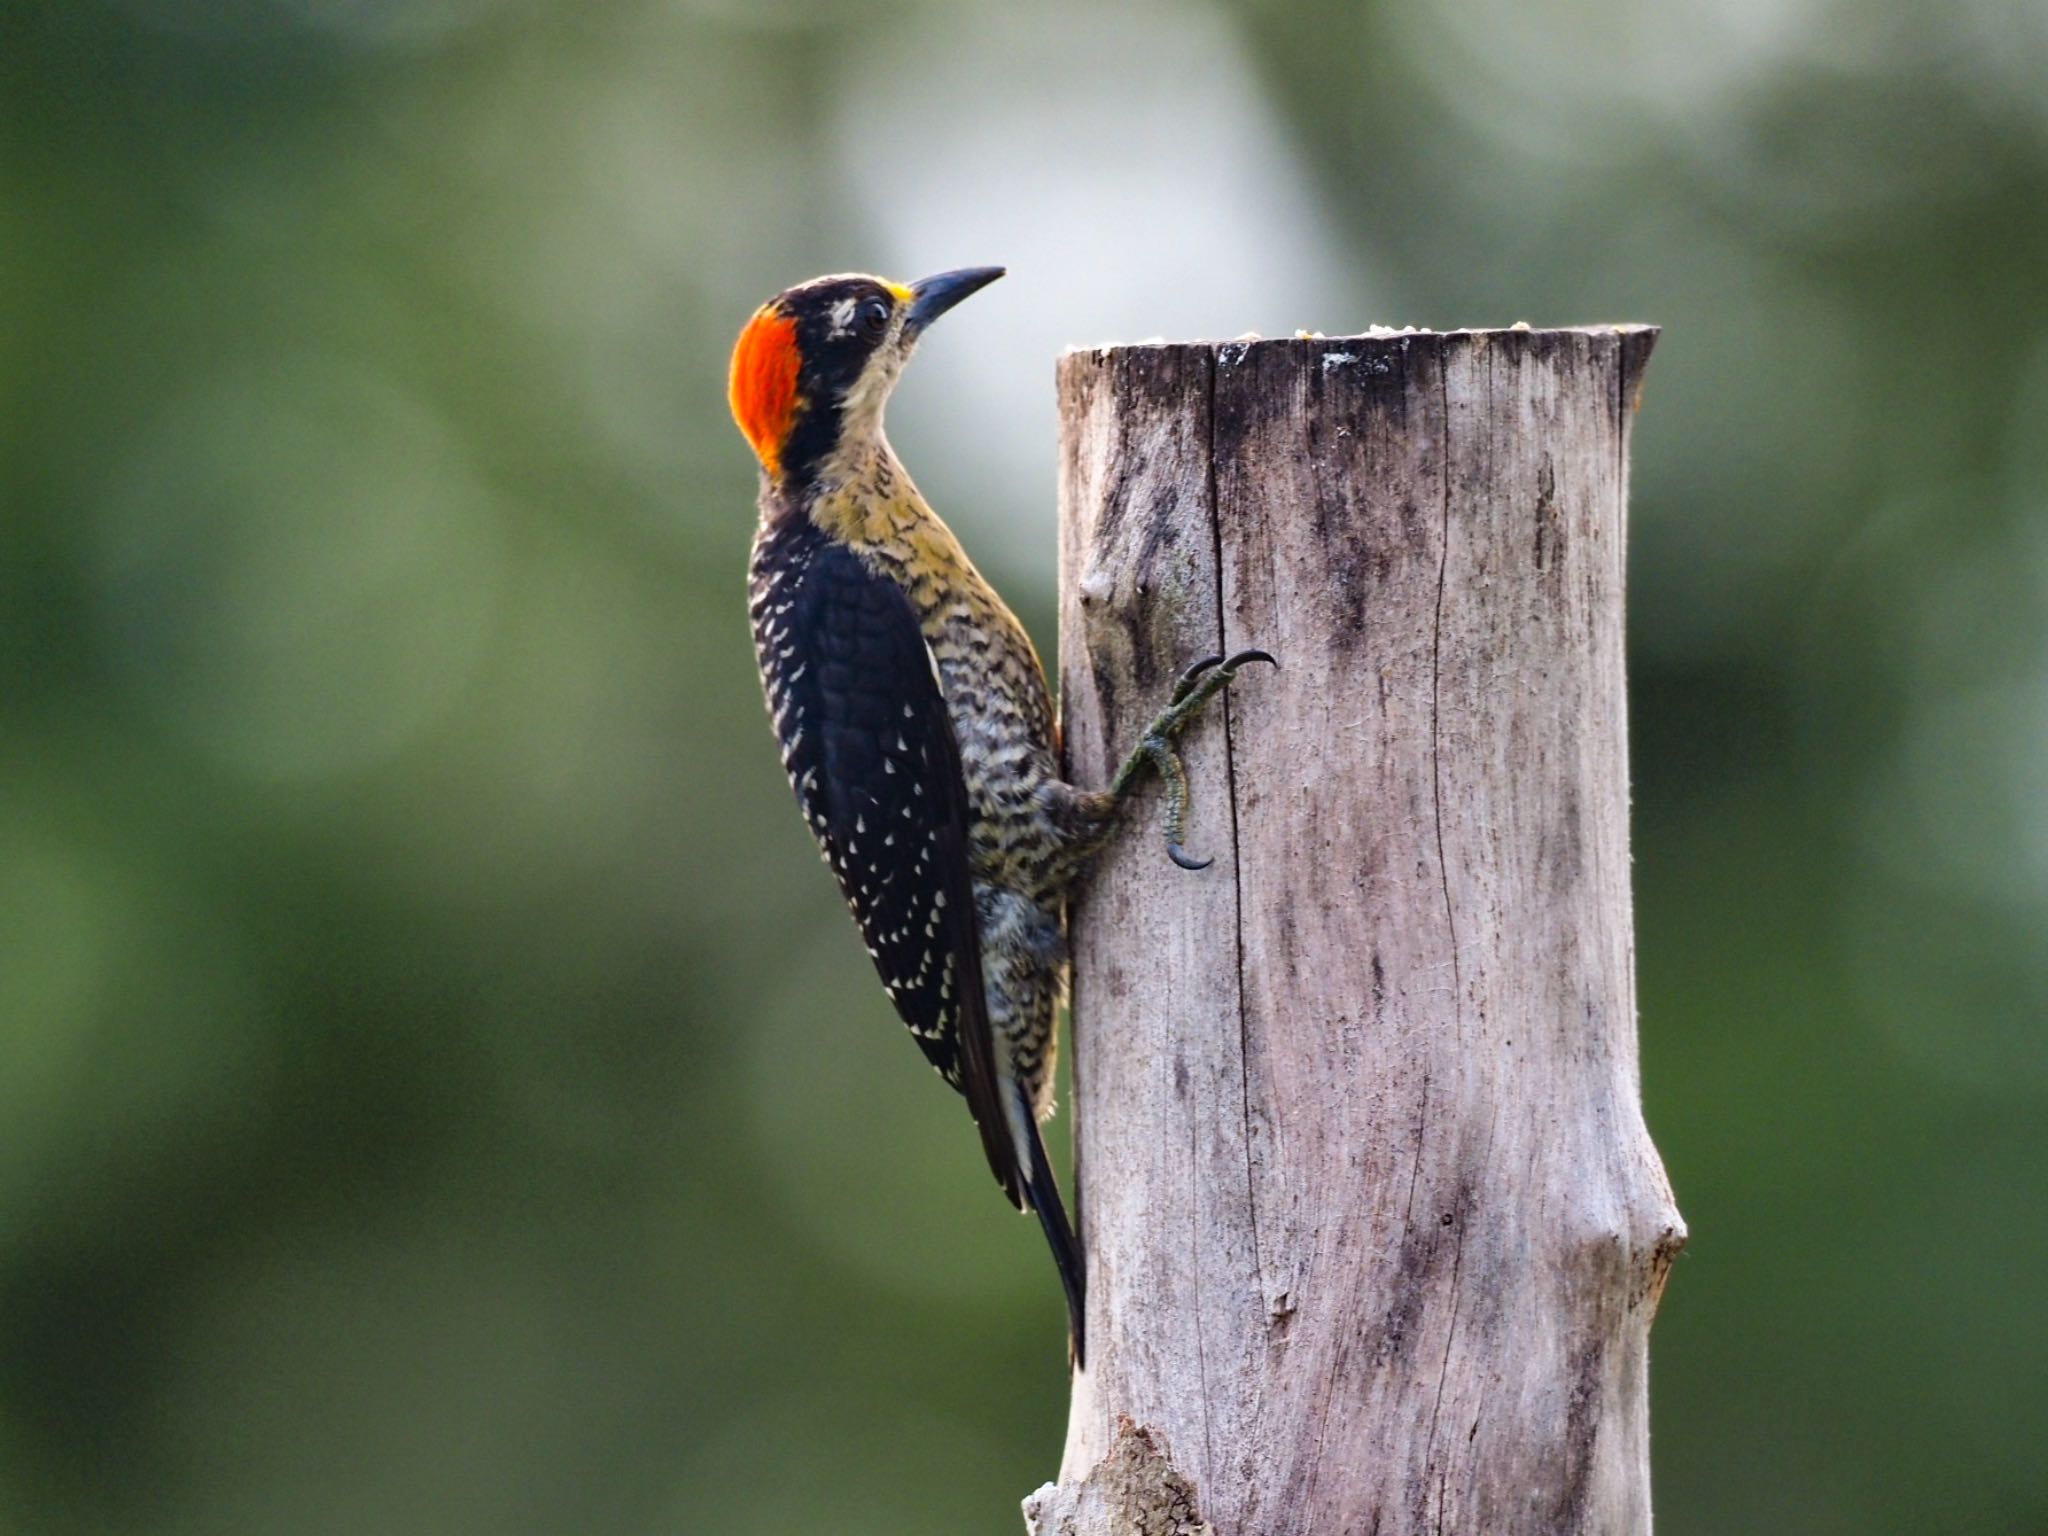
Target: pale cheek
(862,410)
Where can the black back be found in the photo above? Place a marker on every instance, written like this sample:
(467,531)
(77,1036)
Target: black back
(869,749)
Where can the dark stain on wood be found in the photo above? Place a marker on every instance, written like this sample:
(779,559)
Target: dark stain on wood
(1549,526)
(1581,1430)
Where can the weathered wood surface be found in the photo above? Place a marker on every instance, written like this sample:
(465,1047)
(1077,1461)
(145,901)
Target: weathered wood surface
(1375,1229)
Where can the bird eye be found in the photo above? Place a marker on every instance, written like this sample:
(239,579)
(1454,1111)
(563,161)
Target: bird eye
(874,317)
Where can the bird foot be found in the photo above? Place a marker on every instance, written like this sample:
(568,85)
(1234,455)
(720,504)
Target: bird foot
(1155,750)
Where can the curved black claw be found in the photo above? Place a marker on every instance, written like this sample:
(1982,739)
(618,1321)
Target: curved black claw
(1185,685)
(1229,664)
(1184,859)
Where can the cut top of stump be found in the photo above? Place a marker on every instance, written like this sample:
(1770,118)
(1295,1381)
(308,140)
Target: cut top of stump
(1536,336)
(1383,351)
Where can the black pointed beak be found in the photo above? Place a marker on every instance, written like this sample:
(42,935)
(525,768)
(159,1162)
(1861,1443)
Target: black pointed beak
(931,297)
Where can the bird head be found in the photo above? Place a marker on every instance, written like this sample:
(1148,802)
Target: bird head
(814,366)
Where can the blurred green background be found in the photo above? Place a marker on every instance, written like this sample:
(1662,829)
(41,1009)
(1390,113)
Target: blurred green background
(441,1091)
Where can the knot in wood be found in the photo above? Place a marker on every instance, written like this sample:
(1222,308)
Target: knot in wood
(1133,1491)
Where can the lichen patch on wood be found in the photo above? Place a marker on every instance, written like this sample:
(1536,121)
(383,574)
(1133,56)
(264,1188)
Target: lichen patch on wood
(1133,1491)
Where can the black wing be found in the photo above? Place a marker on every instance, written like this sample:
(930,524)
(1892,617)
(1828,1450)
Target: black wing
(870,750)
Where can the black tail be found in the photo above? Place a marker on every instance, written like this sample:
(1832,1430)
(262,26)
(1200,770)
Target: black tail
(1044,1193)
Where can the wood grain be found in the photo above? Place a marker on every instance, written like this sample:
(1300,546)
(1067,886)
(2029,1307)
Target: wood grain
(1375,1229)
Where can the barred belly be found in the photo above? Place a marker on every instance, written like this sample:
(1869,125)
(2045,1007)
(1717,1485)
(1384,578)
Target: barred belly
(1024,969)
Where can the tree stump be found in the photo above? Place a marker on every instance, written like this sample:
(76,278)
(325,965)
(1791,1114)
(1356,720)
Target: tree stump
(1375,1231)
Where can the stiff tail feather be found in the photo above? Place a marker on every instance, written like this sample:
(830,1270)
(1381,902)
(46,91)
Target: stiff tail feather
(1043,1192)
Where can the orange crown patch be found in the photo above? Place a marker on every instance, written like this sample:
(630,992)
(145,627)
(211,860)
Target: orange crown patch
(763,389)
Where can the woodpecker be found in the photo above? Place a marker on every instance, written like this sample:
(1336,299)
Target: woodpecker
(915,723)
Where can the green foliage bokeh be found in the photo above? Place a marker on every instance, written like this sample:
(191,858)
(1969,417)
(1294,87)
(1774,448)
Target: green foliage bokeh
(442,1093)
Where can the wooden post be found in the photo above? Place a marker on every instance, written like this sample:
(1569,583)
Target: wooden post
(1375,1230)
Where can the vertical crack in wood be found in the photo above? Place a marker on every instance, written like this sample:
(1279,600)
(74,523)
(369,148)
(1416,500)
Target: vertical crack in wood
(1244,1066)
(1436,772)
(1621,424)
(1208,391)
(1421,1125)
(1201,1341)
(1244,1053)
(1436,665)
(1621,394)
